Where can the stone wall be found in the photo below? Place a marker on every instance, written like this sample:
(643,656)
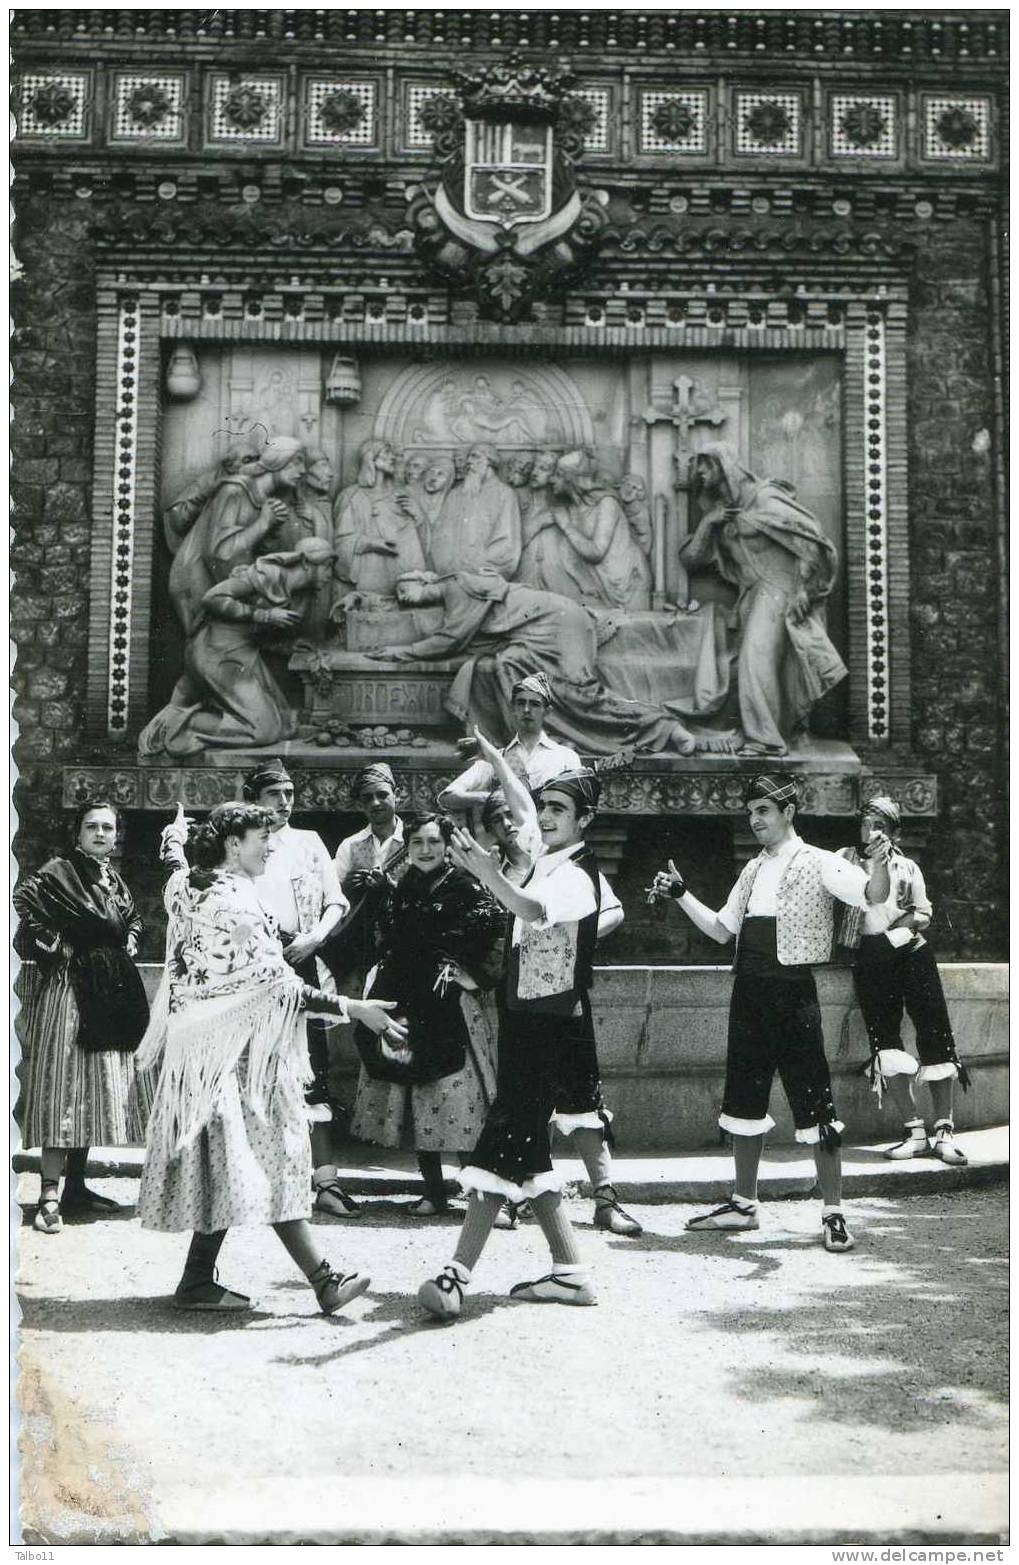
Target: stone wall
(958,667)
(662,1038)
(54,351)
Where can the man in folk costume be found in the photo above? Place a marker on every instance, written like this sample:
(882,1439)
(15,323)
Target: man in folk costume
(369,850)
(299,885)
(534,757)
(548,1062)
(780,913)
(508,823)
(894,969)
(366,863)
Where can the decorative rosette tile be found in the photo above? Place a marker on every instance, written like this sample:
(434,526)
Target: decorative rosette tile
(54,105)
(149,108)
(341,113)
(863,126)
(957,129)
(246,109)
(674,122)
(768,124)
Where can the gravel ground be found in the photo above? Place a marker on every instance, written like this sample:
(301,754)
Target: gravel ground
(753,1354)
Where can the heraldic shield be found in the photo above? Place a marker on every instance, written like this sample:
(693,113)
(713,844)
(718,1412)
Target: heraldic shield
(507,172)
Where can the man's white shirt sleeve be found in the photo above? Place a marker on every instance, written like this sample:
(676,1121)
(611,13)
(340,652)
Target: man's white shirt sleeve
(566,896)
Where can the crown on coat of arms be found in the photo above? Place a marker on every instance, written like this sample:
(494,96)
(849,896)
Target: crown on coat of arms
(513,88)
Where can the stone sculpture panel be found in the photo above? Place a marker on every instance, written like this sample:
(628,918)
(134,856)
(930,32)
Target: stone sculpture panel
(567,484)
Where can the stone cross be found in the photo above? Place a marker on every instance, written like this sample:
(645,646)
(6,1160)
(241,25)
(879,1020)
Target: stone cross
(683,415)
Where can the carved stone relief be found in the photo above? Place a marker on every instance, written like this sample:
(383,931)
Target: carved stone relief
(565,484)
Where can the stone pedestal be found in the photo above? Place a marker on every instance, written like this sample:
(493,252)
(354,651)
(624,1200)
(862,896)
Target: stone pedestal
(348,689)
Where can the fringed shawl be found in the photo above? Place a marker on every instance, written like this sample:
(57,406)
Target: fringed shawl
(226,989)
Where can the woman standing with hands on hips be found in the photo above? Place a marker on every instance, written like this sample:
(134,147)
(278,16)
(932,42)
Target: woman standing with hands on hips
(227,1142)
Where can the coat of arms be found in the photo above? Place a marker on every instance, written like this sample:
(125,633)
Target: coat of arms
(505,210)
(507,171)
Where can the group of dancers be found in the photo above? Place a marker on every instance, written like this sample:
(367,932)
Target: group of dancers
(271,942)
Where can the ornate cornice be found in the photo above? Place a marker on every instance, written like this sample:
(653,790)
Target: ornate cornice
(811,39)
(650,789)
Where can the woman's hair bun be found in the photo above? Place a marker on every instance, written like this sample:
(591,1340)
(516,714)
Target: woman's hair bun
(206,842)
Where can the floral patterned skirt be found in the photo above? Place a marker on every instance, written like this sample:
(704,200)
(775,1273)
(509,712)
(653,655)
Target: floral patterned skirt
(437,1116)
(241,1170)
(75,1097)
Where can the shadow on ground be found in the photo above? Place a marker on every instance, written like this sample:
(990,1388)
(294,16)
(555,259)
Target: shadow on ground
(903,1340)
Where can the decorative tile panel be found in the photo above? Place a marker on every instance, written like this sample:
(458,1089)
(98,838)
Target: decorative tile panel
(148,108)
(341,113)
(956,130)
(417,133)
(674,122)
(246,110)
(600,98)
(54,105)
(768,124)
(876,574)
(863,126)
(125,463)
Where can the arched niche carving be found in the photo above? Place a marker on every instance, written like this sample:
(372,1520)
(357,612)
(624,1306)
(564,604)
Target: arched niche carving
(513,407)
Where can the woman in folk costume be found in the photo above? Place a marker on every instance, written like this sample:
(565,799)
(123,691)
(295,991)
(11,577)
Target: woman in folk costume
(78,922)
(894,969)
(440,938)
(228,1139)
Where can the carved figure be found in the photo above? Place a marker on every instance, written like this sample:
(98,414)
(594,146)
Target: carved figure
(412,468)
(633,499)
(541,547)
(186,507)
(376,537)
(607,563)
(240,516)
(479,524)
(773,550)
(527,631)
(436,483)
(313,519)
(516,471)
(227,696)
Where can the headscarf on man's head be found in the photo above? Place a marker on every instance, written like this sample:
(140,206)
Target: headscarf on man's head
(885,810)
(263,776)
(372,775)
(533,685)
(780,790)
(581,786)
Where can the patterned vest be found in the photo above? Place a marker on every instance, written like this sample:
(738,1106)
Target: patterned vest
(805,920)
(901,871)
(362,857)
(551,968)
